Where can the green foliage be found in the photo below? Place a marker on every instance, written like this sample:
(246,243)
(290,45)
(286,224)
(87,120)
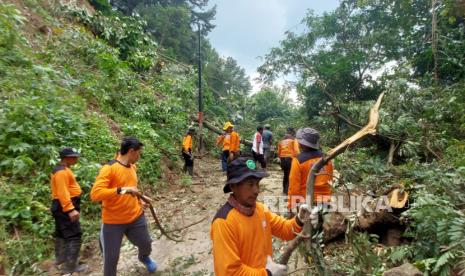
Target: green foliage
(269,104)
(82,92)
(365,260)
(101,5)
(422,120)
(126,33)
(401,254)
(10,19)
(186,180)
(437,224)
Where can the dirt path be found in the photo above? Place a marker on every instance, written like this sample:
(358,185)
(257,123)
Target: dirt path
(181,205)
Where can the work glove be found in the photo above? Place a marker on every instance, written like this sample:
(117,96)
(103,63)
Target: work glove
(274,268)
(306,214)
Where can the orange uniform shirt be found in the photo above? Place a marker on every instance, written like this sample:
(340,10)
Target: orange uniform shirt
(116,208)
(300,168)
(64,187)
(187,143)
(242,243)
(231,141)
(288,148)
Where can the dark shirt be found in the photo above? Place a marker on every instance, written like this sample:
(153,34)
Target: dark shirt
(267,136)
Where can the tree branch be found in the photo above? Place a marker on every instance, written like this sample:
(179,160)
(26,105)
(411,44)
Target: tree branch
(217,130)
(370,128)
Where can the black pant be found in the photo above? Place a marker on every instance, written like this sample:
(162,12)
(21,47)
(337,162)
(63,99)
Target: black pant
(188,161)
(64,227)
(286,167)
(224,160)
(259,158)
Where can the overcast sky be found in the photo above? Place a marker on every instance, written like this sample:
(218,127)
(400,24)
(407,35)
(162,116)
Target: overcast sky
(247,29)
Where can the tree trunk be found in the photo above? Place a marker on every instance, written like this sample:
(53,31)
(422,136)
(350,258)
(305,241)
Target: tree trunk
(434,40)
(217,130)
(392,150)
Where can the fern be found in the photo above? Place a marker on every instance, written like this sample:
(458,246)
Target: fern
(401,253)
(443,263)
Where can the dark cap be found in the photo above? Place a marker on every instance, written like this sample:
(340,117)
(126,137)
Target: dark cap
(240,169)
(68,152)
(290,130)
(308,137)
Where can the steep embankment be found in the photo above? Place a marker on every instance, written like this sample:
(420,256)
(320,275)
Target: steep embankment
(62,86)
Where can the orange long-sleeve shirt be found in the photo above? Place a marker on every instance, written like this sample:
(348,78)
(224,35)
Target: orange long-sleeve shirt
(64,187)
(300,168)
(231,141)
(242,243)
(288,148)
(187,143)
(116,208)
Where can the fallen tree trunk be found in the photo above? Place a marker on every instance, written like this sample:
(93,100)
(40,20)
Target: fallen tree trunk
(335,224)
(370,128)
(218,131)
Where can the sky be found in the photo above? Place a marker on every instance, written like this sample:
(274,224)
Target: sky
(247,29)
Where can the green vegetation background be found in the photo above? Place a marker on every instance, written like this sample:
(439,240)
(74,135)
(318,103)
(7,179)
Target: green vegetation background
(88,80)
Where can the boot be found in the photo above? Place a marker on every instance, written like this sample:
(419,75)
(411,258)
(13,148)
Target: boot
(59,251)
(149,264)
(190,169)
(72,254)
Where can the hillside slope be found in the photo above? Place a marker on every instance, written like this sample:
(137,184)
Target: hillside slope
(63,86)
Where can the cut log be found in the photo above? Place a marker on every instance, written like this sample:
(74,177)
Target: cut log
(218,131)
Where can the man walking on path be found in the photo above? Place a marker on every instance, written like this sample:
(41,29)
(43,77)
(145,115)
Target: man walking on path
(288,148)
(267,138)
(65,209)
(231,145)
(257,147)
(309,142)
(242,229)
(122,213)
(187,152)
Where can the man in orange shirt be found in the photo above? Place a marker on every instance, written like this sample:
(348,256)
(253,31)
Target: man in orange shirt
(65,209)
(309,142)
(122,212)
(242,229)
(288,148)
(231,145)
(187,152)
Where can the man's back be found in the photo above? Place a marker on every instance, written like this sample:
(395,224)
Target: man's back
(266,138)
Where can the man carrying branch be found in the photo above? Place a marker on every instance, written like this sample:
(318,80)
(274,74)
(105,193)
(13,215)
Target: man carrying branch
(242,229)
(309,143)
(122,214)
